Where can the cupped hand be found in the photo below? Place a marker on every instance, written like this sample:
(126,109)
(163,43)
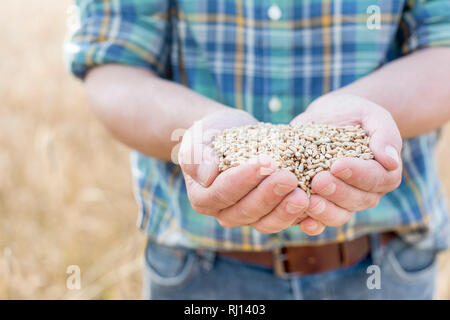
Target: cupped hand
(254,193)
(352,184)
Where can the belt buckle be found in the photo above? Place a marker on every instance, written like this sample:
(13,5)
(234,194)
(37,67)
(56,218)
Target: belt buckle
(279,266)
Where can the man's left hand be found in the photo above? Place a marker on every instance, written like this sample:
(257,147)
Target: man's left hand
(352,184)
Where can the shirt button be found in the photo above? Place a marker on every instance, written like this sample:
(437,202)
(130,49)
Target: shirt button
(275,104)
(274,12)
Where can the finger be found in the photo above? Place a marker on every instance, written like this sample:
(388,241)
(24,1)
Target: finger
(385,140)
(367,175)
(230,186)
(192,189)
(199,161)
(327,212)
(290,209)
(342,194)
(261,200)
(311,227)
(300,219)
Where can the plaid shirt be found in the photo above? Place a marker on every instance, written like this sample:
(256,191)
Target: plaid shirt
(245,53)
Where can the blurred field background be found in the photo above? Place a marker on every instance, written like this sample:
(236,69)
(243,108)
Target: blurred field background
(65,185)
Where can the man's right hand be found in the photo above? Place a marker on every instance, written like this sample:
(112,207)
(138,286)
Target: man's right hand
(255,193)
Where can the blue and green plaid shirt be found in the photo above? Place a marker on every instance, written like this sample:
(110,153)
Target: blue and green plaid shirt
(243,53)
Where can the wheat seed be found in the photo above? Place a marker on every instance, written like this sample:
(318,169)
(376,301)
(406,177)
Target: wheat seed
(304,149)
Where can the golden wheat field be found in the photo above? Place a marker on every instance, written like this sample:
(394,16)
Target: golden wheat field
(65,184)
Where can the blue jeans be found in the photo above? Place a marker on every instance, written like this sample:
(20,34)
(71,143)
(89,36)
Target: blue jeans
(401,271)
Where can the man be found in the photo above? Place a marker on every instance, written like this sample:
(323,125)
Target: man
(373,227)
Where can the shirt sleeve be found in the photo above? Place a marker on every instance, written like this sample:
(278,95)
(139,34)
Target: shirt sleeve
(425,23)
(132,32)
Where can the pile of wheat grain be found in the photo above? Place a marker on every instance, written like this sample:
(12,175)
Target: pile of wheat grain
(305,150)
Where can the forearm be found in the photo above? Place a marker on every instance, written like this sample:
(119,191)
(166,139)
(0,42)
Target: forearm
(414,89)
(143,110)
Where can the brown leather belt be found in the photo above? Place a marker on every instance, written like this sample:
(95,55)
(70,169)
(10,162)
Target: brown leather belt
(306,260)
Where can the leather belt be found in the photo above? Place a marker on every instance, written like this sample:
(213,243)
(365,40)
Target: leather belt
(306,260)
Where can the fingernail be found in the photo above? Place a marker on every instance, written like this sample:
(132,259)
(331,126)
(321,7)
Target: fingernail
(204,172)
(392,152)
(266,171)
(328,190)
(318,208)
(282,189)
(344,174)
(294,208)
(312,225)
